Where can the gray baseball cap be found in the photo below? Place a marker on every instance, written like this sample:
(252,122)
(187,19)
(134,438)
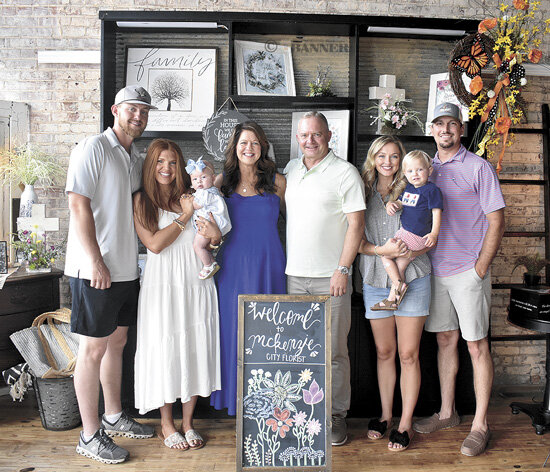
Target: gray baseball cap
(447,109)
(134,94)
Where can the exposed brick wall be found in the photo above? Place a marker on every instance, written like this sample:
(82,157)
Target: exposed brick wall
(64,102)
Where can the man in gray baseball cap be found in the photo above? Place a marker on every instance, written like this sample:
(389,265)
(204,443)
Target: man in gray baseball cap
(447,109)
(134,94)
(472,226)
(101,262)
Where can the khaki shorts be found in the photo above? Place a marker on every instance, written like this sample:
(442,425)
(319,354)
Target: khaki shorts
(461,301)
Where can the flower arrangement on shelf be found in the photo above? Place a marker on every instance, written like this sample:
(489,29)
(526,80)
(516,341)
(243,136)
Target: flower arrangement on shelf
(395,116)
(321,86)
(27,165)
(34,249)
(509,40)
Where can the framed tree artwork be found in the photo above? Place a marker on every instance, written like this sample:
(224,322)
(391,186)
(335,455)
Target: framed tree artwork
(264,69)
(182,84)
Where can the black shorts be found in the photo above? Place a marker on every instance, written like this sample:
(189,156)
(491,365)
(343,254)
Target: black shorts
(97,313)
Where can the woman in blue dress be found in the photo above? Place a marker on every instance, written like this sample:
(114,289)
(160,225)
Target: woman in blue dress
(252,259)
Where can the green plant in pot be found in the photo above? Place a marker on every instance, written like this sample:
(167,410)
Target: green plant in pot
(533,266)
(27,165)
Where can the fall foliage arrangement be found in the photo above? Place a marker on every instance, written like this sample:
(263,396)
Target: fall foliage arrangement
(508,41)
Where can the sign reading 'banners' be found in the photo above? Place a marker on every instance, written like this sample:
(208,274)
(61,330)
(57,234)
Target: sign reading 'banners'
(283,411)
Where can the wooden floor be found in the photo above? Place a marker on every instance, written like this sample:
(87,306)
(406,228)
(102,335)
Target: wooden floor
(25,446)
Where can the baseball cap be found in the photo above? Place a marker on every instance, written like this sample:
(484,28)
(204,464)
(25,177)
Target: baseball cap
(447,109)
(134,94)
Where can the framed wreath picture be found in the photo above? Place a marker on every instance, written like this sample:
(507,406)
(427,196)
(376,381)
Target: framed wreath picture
(264,69)
(182,84)
(440,92)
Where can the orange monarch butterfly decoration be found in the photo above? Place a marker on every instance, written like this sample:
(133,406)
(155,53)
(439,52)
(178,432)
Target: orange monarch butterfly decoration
(472,64)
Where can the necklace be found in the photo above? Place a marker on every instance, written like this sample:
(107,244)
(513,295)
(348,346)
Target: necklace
(246,186)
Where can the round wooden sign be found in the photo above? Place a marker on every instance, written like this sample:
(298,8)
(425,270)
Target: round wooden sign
(218,129)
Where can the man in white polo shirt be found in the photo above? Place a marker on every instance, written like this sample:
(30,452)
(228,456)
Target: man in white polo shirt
(101,263)
(472,226)
(325,203)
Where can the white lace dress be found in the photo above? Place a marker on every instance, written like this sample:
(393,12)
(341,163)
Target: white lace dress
(178,353)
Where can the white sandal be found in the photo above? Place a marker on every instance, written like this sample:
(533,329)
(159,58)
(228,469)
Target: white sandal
(175,439)
(193,435)
(209,271)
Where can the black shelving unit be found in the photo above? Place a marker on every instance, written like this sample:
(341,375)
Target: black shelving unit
(544,182)
(275,111)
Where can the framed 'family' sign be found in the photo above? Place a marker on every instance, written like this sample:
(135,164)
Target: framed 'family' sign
(283,358)
(181,82)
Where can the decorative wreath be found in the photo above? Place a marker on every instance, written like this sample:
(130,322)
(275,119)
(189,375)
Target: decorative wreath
(462,54)
(274,70)
(507,41)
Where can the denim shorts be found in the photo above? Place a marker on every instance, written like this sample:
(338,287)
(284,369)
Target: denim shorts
(97,313)
(415,303)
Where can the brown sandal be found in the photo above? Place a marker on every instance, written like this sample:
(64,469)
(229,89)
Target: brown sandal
(385,305)
(400,292)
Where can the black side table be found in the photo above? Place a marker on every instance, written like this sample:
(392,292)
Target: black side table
(534,316)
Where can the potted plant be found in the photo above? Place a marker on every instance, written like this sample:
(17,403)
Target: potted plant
(40,256)
(533,265)
(394,116)
(27,165)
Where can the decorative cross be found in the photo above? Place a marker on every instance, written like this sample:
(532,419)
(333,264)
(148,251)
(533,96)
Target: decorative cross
(38,223)
(386,85)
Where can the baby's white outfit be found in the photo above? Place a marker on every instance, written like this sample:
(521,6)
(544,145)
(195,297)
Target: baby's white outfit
(211,201)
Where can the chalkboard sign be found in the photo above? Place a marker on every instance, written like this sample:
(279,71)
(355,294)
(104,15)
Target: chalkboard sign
(218,130)
(283,358)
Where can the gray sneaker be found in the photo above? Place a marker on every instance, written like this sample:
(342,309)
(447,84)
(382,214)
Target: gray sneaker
(339,430)
(127,426)
(102,448)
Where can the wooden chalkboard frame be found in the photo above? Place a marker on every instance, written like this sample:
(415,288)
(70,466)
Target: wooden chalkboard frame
(323,300)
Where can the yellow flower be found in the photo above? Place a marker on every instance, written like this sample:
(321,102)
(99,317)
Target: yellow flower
(34,252)
(38,241)
(503,7)
(33,235)
(52,260)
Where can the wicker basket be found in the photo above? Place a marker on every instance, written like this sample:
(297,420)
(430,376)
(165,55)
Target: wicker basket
(57,403)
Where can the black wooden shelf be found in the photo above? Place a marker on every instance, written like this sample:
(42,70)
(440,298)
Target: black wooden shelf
(519,337)
(190,135)
(522,182)
(287,102)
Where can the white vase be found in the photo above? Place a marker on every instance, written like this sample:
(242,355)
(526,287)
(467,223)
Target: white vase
(28,198)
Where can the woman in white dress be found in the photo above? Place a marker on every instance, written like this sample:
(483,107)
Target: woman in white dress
(177,353)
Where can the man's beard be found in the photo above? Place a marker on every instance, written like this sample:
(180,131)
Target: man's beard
(130,130)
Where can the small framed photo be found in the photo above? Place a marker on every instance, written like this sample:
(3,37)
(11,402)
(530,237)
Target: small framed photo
(3,257)
(264,69)
(182,84)
(338,123)
(441,91)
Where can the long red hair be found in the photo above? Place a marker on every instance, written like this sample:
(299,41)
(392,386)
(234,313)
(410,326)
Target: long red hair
(151,198)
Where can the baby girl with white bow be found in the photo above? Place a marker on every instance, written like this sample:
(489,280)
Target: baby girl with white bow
(208,199)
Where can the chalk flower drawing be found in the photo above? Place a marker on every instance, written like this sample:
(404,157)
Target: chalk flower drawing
(305,375)
(281,422)
(270,403)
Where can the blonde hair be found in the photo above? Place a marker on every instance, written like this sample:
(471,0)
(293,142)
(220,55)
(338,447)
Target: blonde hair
(416,155)
(369,173)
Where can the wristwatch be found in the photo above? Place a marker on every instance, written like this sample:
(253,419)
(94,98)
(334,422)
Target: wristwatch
(343,270)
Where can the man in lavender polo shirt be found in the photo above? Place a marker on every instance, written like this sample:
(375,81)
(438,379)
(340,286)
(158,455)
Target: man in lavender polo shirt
(471,231)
